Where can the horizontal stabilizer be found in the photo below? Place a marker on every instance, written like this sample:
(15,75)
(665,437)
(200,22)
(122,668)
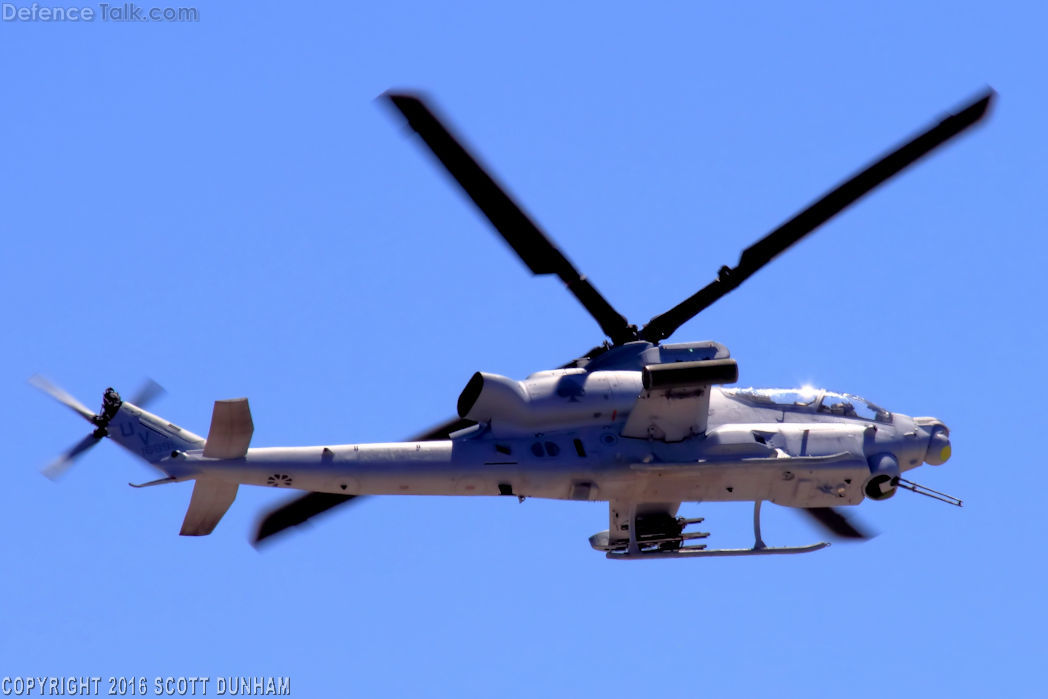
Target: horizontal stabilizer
(159,481)
(211,498)
(231,430)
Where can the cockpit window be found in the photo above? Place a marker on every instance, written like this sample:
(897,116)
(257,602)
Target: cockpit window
(807,398)
(788,397)
(852,406)
(836,405)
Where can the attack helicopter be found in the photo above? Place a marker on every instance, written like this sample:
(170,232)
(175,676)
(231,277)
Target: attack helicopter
(637,422)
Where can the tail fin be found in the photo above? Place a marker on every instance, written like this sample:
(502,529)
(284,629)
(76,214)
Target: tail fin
(211,499)
(231,430)
(154,439)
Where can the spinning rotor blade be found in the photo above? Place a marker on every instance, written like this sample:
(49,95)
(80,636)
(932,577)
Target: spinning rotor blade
(442,431)
(62,397)
(301,509)
(297,512)
(836,523)
(149,392)
(523,235)
(110,402)
(57,468)
(767,248)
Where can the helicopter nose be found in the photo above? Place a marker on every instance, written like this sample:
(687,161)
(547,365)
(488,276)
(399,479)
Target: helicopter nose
(938,440)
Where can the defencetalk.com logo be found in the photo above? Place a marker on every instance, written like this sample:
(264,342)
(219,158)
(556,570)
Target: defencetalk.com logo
(104,12)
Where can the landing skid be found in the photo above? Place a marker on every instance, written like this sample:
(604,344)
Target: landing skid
(697,551)
(657,548)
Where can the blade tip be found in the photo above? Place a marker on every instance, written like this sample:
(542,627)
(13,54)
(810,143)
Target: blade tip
(52,473)
(262,537)
(402,99)
(979,107)
(40,382)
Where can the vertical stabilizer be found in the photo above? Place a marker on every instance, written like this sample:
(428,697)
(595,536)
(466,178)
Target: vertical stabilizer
(211,499)
(231,430)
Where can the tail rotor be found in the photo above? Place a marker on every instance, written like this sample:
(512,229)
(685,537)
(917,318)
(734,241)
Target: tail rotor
(111,402)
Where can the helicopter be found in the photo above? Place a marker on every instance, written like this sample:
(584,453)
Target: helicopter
(640,423)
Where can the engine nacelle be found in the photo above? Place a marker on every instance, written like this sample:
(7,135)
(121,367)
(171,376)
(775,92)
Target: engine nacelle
(549,400)
(884,477)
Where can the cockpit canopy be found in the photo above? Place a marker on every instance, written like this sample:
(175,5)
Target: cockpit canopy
(813,400)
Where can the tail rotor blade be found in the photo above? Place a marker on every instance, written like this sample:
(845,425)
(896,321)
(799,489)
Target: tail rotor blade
(62,397)
(147,393)
(770,246)
(57,468)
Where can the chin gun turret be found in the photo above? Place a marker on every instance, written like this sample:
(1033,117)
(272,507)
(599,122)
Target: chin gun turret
(884,477)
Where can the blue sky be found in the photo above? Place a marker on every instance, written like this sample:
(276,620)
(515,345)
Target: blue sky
(223,206)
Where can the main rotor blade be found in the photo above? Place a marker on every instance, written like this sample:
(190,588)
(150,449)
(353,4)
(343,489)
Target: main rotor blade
(836,523)
(442,431)
(523,235)
(767,248)
(296,512)
(301,509)
(57,468)
(62,397)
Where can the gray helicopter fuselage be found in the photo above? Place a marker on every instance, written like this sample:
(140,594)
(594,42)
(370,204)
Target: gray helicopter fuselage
(565,434)
(820,461)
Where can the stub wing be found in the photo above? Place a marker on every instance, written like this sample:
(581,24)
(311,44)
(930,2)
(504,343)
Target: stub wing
(669,415)
(675,402)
